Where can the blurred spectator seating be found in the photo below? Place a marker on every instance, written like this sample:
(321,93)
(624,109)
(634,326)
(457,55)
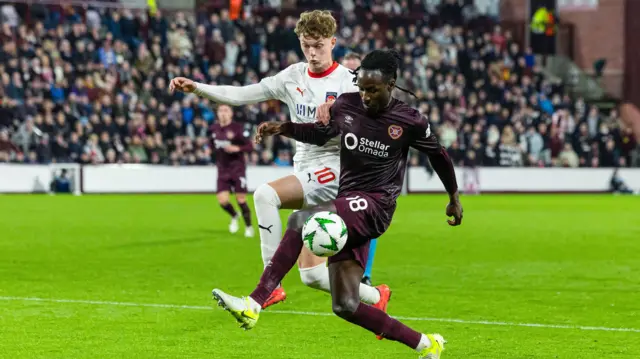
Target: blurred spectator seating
(89,85)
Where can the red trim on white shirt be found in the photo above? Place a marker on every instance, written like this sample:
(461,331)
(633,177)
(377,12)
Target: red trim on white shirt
(327,72)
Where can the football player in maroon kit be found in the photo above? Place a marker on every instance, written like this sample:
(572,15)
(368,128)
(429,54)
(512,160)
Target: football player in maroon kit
(231,142)
(376,132)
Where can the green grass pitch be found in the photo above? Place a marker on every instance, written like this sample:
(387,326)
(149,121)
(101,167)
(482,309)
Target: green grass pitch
(131,277)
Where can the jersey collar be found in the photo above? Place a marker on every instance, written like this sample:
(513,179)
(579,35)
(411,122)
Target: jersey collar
(325,73)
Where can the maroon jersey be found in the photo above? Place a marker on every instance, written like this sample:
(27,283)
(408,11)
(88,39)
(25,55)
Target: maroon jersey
(230,164)
(373,154)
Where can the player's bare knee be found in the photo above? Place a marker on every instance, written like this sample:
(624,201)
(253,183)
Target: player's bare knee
(223,198)
(345,307)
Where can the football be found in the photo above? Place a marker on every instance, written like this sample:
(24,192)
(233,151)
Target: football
(324,233)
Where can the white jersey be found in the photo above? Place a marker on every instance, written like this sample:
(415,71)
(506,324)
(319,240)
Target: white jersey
(316,167)
(303,91)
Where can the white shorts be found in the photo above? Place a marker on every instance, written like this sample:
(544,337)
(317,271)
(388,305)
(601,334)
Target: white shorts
(319,182)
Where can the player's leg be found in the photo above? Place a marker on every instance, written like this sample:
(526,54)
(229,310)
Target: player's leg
(366,279)
(313,270)
(223,190)
(345,278)
(315,274)
(240,187)
(246,310)
(269,198)
(320,185)
(288,193)
(241,198)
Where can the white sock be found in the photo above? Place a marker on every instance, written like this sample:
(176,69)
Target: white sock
(318,278)
(255,307)
(424,343)
(267,204)
(369,294)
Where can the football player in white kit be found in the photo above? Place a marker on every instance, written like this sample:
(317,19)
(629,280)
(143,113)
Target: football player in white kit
(303,87)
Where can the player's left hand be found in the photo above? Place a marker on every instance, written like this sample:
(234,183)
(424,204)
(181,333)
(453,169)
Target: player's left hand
(182,84)
(324,112)
(454,209)
(232,149)
(266,129)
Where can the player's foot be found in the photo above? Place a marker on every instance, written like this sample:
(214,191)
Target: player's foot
(234,226)
(277,296)
(248,232)
(436,348)
(245,310)
(385,297)
(366,280)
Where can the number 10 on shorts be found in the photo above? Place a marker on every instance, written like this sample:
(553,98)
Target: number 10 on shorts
(325,175)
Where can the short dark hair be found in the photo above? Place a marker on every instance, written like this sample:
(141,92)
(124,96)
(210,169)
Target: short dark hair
(385,61)
(352,56)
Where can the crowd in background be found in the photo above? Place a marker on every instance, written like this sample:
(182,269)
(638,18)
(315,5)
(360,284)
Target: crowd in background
(91,86)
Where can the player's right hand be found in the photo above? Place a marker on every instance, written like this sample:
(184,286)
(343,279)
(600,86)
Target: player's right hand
(454,209)
(324,112)
(182,84)
(266,129)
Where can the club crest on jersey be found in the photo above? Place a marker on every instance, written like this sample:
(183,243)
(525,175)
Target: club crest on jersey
(395,131)
(230,135)
(331,96)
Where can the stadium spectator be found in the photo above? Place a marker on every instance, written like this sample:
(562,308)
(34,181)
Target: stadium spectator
(568,157)
(89,85)
(7,148)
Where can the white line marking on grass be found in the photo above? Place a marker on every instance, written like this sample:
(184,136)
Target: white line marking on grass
(322,314)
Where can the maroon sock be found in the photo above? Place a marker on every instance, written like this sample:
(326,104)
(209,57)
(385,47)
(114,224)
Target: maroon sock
(246,213)
(379,322)
(283,260)
(229,209)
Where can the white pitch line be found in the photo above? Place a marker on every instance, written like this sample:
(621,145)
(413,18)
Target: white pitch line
(324,314)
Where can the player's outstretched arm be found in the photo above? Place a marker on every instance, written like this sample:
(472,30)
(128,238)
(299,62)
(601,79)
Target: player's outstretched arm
(228,95)
(312,133)
(427,143)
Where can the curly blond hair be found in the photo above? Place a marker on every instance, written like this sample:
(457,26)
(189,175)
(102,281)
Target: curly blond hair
(317,24)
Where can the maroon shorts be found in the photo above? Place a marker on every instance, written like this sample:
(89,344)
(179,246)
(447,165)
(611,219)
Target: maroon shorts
(366,219)
(233,184)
